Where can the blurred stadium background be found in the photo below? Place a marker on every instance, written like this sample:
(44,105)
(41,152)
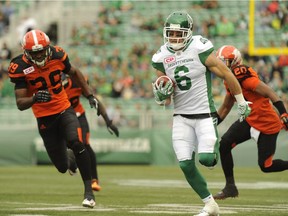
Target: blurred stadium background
(112,42)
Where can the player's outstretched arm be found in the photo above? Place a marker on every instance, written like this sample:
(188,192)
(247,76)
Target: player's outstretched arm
(77,76)
(222,71)
(268,92)
(110,126)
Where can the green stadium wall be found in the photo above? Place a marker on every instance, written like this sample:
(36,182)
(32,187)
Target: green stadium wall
(132,147)
(153,147)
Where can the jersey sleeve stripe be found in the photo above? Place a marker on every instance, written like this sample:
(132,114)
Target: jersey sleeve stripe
(16,75)
(158,66)
(203,56)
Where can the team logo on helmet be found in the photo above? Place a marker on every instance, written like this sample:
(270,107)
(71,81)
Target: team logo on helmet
(230,55)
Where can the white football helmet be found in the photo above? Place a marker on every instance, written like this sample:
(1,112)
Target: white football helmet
(177,30)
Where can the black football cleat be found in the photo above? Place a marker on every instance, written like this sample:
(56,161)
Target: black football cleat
(229,191)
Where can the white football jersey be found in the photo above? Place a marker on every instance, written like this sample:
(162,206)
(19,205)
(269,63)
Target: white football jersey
(193,93)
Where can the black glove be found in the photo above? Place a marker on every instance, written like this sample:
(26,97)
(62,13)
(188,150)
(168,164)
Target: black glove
(112,128)
(93,103)
(42,96)
(284,120)
(219,120)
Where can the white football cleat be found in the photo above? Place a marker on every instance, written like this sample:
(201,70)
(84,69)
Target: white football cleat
(89,203)
(210,209)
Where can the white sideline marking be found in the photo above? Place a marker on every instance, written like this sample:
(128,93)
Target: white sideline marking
(44,204)
(67,208)
(26,215)
(212,185)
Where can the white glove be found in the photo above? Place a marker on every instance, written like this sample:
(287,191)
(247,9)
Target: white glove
(161,93)
(243,110)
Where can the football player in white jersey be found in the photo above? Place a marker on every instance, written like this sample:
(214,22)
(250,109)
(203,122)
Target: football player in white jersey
(190,61)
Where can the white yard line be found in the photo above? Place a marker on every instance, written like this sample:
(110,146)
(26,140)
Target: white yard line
(27,215)
(168,208)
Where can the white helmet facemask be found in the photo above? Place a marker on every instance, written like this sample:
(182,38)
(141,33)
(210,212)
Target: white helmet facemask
(39,57)
(177,31)
(183,37)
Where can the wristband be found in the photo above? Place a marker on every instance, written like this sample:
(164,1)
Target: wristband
(239,98)
(280,107)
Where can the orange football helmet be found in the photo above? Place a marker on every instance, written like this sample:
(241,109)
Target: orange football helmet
(230,55)
(36,46)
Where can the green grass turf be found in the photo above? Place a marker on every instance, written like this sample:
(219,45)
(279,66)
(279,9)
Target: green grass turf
(136,191)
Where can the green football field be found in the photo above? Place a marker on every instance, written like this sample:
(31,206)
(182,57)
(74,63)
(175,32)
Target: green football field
(136,191)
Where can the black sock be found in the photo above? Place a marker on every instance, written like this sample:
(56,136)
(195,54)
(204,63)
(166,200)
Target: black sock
(93,161)
(88,191)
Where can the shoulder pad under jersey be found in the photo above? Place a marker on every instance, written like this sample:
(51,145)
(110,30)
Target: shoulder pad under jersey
(161,54)
(243,72)
(18,67)
(58,53)
(200,44)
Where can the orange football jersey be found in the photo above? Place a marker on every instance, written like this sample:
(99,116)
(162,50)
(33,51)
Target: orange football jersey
(262,117)
(74,93)
(27,75)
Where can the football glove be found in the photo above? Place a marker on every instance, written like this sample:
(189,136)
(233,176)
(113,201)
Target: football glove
(112,128)
(243,110)
(162,92)
(284,119)
(93,102)
(42,96)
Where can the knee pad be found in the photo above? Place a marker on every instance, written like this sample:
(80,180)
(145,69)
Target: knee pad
(187,165)
(77,147)
(208,159)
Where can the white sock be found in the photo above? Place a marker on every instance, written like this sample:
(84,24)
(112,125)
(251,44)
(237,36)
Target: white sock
(208,199)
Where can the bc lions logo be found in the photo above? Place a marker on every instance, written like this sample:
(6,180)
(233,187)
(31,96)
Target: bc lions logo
(169,59)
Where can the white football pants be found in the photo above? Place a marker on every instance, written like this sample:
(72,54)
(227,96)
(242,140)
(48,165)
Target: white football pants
(190,135)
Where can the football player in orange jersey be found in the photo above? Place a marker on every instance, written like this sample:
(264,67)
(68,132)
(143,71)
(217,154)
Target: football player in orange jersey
(263,124)
(74,93)
(37,77)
